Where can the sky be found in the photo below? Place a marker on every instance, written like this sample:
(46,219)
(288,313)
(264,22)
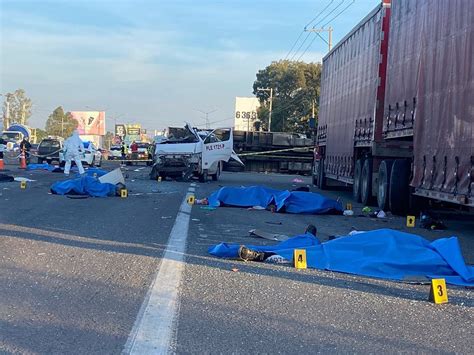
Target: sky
(156,62)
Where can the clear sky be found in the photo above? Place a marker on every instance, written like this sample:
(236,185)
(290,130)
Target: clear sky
(155,62)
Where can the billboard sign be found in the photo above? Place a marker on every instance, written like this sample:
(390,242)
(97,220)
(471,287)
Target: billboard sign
(90,122)
(120,130)
(245,113)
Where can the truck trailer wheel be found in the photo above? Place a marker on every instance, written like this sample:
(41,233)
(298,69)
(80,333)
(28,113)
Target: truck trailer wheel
(356,185)
(383,184)
(366,182)
(321,176)
(398,186)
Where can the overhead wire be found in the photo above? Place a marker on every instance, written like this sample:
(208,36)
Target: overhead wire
(337,15)
(305,27)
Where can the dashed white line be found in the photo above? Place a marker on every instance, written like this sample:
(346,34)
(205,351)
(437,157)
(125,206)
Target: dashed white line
(153,330)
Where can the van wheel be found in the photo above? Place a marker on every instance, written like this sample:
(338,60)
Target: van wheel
(399,187)
(366,182)
(215,176)
(356,184)
(383,183)
(203,177)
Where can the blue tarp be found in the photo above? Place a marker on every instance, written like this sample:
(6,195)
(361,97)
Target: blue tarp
(285,201)
(383,253)
(85,185)
(44,166)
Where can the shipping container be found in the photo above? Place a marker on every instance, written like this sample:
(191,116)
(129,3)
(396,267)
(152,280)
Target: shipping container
(397,105)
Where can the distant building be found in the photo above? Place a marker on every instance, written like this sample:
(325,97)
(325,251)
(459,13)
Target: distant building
(245,113)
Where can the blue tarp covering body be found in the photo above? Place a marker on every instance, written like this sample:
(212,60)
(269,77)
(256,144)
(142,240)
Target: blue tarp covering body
(383,253)
(44,166)
(287,201)
(85,185)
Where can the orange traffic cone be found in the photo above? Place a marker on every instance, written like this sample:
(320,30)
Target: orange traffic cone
(2,166)
(22,160)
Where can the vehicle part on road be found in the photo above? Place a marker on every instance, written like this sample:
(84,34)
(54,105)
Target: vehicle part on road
(398,187)
(268,235)
(383,253)
(383,184)
(348,213)
(114,177)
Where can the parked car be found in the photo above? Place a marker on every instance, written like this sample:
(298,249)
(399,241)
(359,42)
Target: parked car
(91,157)
(48,150)
(115,152)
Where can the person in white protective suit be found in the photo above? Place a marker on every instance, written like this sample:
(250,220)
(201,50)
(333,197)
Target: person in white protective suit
(73,150)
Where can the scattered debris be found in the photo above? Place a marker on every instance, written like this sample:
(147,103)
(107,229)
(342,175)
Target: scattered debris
(276,223)
(297,180)
(258,208)
(366,209)
(267,235)
(202,201)
(348,213)
(114,177)
(208,208)
(381,214)
(20,179)
(165,217)
(195,219)
(235,269)
(427,221)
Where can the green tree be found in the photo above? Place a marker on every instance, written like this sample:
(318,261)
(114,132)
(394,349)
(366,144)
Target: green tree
(40,134)
(296,86)
(16,108)
(60,124)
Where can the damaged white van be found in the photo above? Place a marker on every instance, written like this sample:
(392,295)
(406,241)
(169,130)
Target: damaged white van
(190,152)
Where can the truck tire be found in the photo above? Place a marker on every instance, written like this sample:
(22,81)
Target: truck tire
(154,174)
(398,187)
(321,176)
(366,182)
(356,184)
(203,176)
(215,176)
(383,183)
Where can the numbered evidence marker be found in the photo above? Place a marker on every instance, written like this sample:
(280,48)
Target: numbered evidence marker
(191,199)
(348,206)
(300,258)
(438,291)
(124,193)
(411,221)
(23,185)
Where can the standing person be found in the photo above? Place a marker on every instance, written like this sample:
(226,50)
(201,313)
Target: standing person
(134,149)
(73,149)
(25,147)
(124,149)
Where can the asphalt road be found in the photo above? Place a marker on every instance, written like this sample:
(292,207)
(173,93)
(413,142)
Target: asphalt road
(75,273)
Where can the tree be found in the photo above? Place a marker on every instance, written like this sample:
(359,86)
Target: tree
(18,106)
(60,124)
(40,134)
(296,86)
(109,137)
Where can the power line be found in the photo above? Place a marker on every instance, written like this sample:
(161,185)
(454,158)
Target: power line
(321,20)
(339,13)
(309,23)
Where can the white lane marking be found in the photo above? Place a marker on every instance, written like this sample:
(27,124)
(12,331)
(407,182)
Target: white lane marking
(153,329)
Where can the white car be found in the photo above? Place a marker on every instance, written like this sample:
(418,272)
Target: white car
(92,156)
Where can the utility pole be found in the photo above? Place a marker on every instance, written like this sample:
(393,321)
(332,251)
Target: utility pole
(6,121)
(322,29)
(270,108)
(208,126)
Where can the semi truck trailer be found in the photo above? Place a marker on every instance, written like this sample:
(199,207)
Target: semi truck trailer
(397,106)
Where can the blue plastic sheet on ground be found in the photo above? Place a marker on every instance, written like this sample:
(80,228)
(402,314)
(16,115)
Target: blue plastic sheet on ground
(285,201)
(44,166)
(85,185)
(383,253)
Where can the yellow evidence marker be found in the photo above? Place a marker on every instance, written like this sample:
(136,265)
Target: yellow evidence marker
(191,199)
(349,206)
(411,221)
(23,185)
(300,259)
(438,291)
(124,193)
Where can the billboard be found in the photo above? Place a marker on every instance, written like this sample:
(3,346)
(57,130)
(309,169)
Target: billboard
(245,113)
(90,122)
(129,132)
